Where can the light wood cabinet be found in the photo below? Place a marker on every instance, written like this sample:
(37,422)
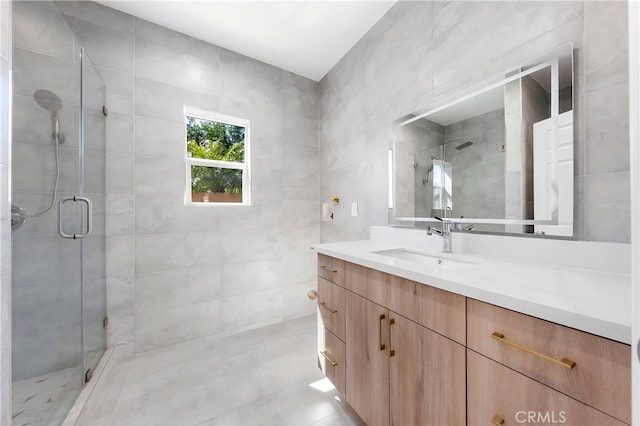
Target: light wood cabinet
(398,371)
(588,368)
(427,376)
(500,395)
(367,360)
(405,353)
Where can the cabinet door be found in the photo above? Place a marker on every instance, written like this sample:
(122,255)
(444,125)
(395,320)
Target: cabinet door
(427,376)
(503,396)
(367,360)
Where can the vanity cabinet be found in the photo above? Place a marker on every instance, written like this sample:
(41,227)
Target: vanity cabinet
(405,353)
(400,372)
(588,368)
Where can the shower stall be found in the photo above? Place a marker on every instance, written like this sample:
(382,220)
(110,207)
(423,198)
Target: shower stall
(58,215)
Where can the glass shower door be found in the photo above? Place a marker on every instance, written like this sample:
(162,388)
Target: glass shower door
(57,154)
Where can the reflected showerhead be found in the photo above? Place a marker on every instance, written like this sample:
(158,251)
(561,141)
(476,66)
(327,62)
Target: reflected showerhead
(464,145)
(48,100)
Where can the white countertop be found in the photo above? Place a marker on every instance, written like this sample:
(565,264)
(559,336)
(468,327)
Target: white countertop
(598,302)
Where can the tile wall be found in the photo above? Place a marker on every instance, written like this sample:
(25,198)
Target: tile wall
(5,214)
(421,53)
(176,273)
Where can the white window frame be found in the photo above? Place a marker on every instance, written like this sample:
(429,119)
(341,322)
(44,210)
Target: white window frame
(201,114)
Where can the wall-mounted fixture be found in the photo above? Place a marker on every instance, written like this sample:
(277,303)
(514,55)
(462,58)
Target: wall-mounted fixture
(328,209)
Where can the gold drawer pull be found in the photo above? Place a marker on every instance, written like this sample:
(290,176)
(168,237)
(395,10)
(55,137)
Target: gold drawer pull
(382,346)
(392,352)
(324,354)
(497,420)
(329,270)
(324,305)
(566,363)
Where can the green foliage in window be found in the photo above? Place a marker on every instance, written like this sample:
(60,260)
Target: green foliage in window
(212,140)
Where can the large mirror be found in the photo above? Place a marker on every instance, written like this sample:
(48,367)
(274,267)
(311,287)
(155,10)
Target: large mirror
(499,159)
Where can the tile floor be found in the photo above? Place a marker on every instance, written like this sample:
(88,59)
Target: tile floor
(266,376)
(45,400)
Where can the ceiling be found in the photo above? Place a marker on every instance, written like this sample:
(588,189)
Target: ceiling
(304,37)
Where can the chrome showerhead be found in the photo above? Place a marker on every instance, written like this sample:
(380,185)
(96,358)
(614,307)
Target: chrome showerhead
(48,100)
(464,145)
(52,103)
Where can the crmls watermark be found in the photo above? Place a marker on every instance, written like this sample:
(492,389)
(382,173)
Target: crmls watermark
(545,417)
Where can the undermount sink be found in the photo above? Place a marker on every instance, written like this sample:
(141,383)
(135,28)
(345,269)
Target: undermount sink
(436,260)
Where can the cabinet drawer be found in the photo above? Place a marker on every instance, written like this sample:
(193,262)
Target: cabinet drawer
(331,359)
(439,310)
(496,392)
(331,269)
(601,376)
(331,307)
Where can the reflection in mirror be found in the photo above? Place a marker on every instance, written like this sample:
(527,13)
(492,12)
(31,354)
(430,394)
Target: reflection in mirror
(501,158)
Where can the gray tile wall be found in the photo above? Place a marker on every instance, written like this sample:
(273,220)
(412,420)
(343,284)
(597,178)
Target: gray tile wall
(176,273)
(5,214)
(421,53)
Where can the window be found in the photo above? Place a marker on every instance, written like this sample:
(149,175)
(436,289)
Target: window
(217,159)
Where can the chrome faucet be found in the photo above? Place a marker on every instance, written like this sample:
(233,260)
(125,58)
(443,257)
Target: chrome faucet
(445,233)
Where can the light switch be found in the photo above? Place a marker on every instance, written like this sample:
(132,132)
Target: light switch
(354,209)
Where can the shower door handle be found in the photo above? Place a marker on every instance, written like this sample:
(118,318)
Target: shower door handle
(89,217)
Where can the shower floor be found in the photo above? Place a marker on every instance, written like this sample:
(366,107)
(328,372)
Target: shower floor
(266,376)
(45,400)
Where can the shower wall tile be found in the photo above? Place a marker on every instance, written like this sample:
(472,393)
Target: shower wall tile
(159,138)
(105,47)
(168,214)
(164,327)
(42,307)
(250,81)
(119,128)
(38,71)
(238,278)
(251,309)
(97,14)
(118,90)
(62,345)
(119,172)
(180,287)
(162,177)
(174,40)
(119,212)
(164,252)
(176,67)
(41,29)
(193,264)
(158,100)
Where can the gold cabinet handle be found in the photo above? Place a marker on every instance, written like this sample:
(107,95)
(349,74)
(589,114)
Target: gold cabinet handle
(324,305)
(566,363)
(381,318)
(392,352)
(329,270)
(324,354)
(497,420)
